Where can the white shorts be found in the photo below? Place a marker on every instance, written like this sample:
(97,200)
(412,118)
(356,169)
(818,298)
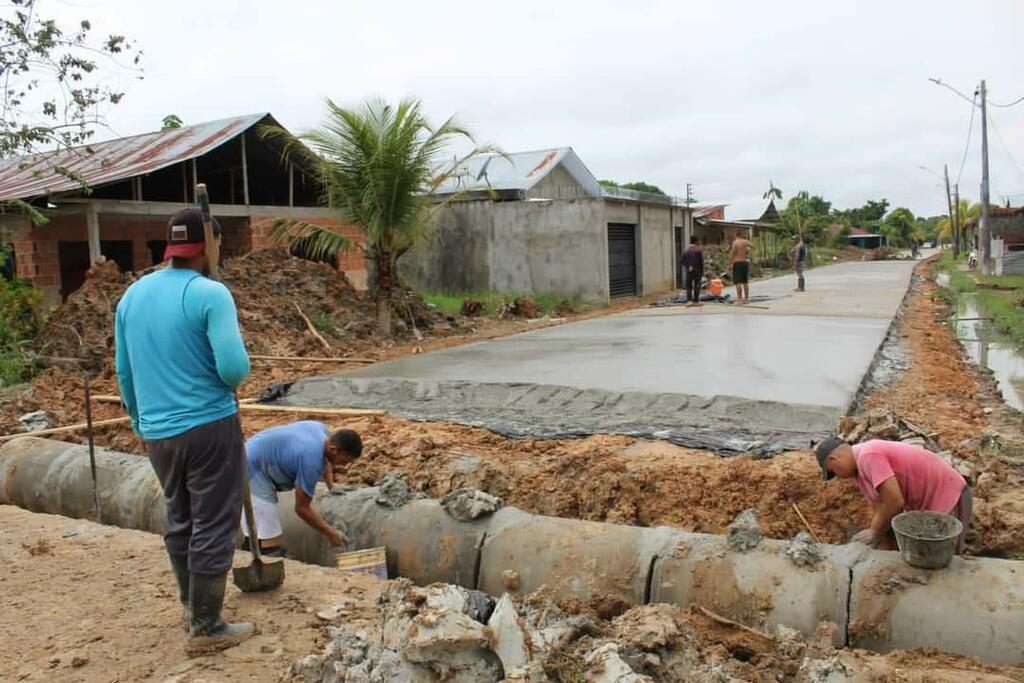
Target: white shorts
(268,521)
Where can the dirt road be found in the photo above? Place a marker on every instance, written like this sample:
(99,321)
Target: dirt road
(88,603)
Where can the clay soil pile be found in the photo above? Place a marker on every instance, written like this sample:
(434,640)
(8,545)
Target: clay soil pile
(270,289)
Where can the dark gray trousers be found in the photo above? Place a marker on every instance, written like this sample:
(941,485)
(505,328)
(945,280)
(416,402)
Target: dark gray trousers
(201,473)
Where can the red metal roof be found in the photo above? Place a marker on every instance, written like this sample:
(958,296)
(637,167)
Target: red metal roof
(120,159)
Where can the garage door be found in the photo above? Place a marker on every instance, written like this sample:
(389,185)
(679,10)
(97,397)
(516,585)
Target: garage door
(622,259)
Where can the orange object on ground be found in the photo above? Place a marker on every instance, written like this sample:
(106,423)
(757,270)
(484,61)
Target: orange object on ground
(716,287)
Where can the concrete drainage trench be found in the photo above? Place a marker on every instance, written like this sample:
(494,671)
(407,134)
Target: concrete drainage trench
(975,607)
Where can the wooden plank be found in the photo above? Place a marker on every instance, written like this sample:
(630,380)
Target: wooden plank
(313,359)
(110,398)
(245,173)
(68,428)
(346,412)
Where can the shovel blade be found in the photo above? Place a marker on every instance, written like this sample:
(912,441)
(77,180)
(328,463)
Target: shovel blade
(262,575)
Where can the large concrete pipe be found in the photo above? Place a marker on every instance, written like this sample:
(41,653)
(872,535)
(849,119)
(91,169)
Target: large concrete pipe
(973,607)
(762,587)
(571,557)
(52,476)
(424,543)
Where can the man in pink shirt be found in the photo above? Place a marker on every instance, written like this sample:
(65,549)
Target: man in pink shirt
(895,477)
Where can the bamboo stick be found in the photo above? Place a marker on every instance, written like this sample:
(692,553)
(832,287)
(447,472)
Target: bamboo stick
(312,329)
(804,520)
(67,428)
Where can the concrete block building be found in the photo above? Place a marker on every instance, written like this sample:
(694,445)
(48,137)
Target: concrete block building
(133,185)
(540,221)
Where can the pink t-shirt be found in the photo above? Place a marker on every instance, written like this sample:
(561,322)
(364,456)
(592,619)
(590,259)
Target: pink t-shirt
(926,480)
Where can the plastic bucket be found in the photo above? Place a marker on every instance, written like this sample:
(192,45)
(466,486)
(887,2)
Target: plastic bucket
(716,287)
(926,539)
(371,561)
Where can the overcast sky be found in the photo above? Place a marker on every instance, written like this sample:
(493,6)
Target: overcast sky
(830,97)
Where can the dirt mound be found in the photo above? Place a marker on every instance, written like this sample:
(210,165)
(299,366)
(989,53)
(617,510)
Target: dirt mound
(84,325)
(272,291)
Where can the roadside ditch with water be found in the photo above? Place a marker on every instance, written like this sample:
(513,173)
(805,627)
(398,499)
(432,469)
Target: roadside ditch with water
(988,347)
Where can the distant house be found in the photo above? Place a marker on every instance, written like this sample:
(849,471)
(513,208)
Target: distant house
(1006,231)
(865,240)
(136,183)
(540,222)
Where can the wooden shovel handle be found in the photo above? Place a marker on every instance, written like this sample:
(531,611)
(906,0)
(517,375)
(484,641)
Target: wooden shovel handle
(212,247)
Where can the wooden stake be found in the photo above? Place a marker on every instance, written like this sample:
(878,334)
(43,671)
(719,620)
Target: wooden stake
(725,621)
(312,329)
(804,520)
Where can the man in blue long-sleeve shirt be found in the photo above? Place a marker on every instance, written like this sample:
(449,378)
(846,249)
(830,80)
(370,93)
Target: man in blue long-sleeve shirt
(180,357)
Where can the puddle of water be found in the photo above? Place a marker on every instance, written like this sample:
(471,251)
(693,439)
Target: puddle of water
(988,348)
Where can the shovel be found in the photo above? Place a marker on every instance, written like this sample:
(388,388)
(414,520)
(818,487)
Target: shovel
(263,574)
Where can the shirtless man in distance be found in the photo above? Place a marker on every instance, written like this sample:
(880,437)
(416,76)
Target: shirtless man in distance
(739,257)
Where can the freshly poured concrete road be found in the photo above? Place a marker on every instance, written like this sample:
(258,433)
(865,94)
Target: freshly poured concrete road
(792,367)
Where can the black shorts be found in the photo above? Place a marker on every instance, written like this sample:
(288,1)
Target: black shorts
(740,272)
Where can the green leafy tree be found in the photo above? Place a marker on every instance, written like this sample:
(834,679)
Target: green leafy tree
(56,84)
(898,226)
(379,167)
(807,215)
(171,121)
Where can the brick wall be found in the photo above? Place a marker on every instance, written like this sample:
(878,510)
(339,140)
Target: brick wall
(351,262)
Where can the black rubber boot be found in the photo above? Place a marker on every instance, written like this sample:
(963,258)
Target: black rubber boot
(210,633)
(179,565)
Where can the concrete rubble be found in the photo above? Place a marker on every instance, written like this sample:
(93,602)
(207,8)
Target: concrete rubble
(882,425)
(394,490)
(466,505)
(803,550)
(744,532)
(36,421)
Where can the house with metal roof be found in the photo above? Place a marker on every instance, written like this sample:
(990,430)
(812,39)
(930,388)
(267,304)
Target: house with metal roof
(540,222)
(113,198)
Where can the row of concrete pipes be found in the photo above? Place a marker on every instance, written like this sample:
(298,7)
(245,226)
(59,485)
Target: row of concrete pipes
(974,607)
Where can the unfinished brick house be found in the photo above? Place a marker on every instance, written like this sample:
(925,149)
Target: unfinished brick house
(136,183)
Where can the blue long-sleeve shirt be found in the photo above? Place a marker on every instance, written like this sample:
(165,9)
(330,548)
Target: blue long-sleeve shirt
(179,352)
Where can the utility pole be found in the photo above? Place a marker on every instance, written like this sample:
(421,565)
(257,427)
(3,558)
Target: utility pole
(958,230)
(985,238)
(689,194)
(949,203)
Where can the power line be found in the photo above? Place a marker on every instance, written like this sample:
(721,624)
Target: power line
(1006,147)
(1010,104)
(967,145)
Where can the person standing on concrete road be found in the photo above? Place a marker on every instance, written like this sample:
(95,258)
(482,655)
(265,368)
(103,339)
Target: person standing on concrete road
(895,477)
(739,258)
(180,358)
(693,271)
(799,255)
(294,456)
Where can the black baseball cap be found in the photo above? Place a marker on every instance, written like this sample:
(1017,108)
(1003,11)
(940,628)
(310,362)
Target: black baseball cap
(185,237)
(823,450)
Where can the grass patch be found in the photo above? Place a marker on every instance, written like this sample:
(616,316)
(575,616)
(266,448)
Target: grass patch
(1005,304)
(450,303)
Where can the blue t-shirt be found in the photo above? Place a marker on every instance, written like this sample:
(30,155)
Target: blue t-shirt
(179,352)
(281,458)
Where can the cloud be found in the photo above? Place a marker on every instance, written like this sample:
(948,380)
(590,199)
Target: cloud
(828,97)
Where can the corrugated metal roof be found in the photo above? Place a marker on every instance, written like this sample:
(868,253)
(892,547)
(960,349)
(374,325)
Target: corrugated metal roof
(517,171)
(120,159)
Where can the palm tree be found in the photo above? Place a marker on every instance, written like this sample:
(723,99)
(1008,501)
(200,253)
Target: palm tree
(967,211)
(772,192)
(378,166)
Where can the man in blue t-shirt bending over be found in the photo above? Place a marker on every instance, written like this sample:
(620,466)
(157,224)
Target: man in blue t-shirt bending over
(294,456)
